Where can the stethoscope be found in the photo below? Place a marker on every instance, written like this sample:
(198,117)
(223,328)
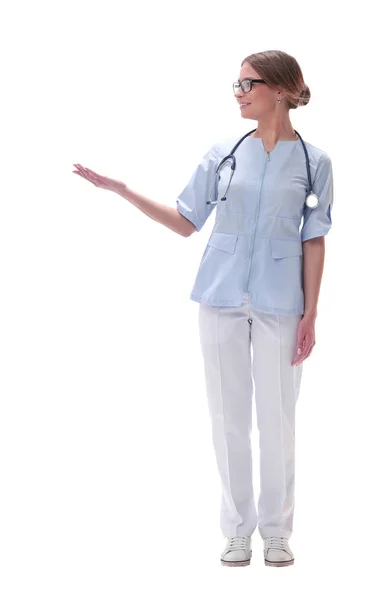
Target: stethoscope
(312,200)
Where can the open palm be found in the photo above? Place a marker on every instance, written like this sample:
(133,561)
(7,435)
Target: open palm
(101,181)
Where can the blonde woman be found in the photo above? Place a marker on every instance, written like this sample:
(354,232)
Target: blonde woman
(257,285)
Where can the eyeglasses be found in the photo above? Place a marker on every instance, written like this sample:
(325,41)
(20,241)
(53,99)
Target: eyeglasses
(246,85)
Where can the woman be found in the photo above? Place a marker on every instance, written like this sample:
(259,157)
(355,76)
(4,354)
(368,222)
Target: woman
(258,286)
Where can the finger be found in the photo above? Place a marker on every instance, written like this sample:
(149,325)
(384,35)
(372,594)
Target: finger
(81,168)
(85,173)
(85,176)
(304,356)
(299,341)
(307,342)
(297,361)
(91,174)
(301,353)
(297,358)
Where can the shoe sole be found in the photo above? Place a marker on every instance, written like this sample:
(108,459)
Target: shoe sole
(283,563)
(236,563)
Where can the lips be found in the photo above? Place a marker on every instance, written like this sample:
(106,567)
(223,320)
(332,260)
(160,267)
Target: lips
(243,104)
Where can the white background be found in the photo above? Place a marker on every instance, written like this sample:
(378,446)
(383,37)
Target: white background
(109,487)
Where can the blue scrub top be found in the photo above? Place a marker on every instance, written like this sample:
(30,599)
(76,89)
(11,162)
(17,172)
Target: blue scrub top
(255,247)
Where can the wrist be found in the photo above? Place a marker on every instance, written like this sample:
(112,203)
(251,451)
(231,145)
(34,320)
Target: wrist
(310,314)
(121,189)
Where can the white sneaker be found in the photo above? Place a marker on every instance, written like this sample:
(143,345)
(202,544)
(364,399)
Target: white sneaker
(237,552)
(277,552)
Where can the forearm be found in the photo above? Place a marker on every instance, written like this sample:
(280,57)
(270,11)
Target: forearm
(166,215)
(313,262)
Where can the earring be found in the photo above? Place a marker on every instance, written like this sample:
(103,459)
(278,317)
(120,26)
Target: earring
(278,99)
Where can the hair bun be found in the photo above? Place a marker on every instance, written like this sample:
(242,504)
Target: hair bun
(305,96)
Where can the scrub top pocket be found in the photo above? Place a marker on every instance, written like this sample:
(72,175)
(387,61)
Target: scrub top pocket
(223,241)
(226,242)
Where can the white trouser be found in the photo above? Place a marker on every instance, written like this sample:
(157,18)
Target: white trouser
(226,335)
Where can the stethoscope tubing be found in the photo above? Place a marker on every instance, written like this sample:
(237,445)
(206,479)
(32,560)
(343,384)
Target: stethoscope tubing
(232,158)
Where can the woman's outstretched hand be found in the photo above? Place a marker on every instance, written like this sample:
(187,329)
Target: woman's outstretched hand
(100,180)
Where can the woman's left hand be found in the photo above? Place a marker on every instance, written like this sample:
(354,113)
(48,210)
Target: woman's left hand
(305,339)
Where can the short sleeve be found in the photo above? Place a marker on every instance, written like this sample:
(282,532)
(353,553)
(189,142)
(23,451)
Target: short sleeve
(317,221)
(192,202)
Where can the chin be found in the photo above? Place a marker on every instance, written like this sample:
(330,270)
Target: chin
(248,115)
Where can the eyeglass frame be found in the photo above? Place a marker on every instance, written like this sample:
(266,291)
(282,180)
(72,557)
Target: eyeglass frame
(251,84)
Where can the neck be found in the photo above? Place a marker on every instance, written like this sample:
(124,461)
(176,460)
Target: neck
(274,129)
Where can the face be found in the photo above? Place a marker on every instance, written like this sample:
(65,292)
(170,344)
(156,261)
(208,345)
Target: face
(260,100)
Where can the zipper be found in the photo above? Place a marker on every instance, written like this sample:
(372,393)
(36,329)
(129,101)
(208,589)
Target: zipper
(256,223)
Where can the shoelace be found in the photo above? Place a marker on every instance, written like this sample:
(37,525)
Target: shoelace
(276,542)
(238,543)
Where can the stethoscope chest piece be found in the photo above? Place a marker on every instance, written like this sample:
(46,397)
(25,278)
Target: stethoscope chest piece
(312,200)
